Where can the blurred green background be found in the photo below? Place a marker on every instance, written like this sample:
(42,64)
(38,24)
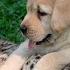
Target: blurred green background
(11,14)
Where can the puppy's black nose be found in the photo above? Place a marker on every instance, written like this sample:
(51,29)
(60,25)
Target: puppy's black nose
(23,29)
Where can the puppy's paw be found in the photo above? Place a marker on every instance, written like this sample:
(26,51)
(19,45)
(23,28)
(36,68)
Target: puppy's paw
(49,62)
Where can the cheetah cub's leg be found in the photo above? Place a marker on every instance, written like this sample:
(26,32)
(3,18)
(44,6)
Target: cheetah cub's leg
(17,58)
(54,61)
(3,58)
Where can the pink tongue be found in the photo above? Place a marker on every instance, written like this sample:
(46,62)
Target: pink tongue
(31,44)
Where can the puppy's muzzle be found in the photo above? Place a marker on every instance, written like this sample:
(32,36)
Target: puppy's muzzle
(32,28)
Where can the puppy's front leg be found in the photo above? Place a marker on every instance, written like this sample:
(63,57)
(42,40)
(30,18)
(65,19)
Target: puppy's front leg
(17,58)
(54,61)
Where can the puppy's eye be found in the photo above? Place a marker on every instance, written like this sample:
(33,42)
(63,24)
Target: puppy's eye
(41,13)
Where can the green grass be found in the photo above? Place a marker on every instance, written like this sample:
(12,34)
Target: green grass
(11,14)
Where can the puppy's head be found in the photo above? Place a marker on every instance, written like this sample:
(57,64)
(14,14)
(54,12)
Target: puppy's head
(43,20)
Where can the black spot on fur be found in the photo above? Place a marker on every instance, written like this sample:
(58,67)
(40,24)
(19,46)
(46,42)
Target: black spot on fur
(27,62)
(32,66)
(66,67)
(38,57)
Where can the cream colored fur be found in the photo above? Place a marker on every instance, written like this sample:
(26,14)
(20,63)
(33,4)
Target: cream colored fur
(56,22)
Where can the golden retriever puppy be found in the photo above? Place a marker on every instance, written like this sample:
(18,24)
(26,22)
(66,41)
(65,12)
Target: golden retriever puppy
(47,25)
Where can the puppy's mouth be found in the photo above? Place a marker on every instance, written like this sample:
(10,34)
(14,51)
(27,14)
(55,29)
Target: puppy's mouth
(46,39)
(34,44)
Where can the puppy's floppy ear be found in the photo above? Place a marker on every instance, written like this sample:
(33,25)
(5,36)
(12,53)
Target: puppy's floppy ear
(58,22)
(61,15)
